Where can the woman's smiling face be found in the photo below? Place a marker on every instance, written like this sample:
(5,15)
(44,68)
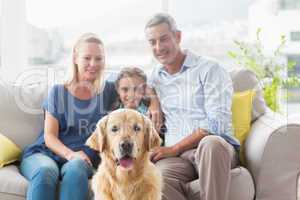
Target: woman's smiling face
(90,61)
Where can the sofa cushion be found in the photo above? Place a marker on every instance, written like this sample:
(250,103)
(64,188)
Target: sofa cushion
(21,115)
(4,196)
(241,186)
(12,182)
(14,186)
(9,152)
(298,189)
(244,79)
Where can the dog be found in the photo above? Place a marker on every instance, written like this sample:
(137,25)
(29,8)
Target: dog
(124,139)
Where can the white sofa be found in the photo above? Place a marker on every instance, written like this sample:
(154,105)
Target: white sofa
(271,148)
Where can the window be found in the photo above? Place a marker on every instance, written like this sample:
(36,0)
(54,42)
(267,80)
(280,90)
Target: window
(295,36)
(293,94)
(41,33)
(13,53)
(210,27)
(290,4)
(120,24)
(295,58)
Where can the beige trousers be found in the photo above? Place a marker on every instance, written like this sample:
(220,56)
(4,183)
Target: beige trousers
(199,174)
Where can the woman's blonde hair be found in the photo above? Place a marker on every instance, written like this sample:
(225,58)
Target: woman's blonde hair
(72,74)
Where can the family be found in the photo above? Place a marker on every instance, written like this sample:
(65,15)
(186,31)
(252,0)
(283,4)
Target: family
(190,94)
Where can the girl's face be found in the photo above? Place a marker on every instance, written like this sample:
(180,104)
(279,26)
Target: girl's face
(131,91)
(90,61)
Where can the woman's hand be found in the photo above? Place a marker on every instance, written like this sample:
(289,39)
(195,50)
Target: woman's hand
(78,154)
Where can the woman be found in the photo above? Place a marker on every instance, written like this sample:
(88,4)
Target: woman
(71,113)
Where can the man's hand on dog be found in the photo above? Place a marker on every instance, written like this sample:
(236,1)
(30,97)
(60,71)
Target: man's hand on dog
(156,115)
(79,154)
(163,152)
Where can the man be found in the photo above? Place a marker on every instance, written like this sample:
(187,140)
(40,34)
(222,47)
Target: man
(195,95)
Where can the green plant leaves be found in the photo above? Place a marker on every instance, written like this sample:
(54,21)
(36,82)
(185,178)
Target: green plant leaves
(253,56)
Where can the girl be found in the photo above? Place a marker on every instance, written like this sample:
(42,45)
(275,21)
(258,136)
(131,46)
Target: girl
(131,86)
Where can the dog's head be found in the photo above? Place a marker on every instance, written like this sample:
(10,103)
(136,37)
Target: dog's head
(124,136)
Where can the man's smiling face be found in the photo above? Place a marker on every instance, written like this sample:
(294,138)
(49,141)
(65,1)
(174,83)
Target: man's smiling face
(164,43)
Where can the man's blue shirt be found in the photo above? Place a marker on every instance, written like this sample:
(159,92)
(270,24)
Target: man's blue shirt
(198,96)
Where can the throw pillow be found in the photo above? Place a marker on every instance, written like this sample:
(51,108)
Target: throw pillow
(241,117)
(9,152)
(245,79)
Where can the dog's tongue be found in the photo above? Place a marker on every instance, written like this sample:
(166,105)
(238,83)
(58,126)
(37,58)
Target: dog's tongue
(126,162)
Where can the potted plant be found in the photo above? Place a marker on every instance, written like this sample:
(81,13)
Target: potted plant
(271,69)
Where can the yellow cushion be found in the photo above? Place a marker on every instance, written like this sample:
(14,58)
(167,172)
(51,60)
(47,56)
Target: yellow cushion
(9,152)
(241,117)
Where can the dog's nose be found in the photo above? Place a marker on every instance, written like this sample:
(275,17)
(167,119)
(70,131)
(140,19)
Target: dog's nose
(126,147)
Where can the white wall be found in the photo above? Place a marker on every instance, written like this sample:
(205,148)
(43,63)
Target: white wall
(13,38)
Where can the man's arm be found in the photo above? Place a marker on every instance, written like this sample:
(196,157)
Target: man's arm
(218,92)
(185,144)
(155,112)
(190,141)
(217,96)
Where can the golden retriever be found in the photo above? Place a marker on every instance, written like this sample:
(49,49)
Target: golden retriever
(124,139)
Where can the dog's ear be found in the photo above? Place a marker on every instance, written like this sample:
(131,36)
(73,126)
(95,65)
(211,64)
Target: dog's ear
(97,140)
(152,138)
(92,141)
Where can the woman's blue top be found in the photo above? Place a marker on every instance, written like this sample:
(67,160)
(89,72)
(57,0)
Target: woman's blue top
(77,120)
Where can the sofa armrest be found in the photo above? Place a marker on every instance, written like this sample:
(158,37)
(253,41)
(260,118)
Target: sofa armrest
(272,156)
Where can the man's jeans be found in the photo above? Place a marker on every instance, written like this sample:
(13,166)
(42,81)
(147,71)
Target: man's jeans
(44,176)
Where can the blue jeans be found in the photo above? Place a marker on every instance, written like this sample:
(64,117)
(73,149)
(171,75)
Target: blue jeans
(44,176)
